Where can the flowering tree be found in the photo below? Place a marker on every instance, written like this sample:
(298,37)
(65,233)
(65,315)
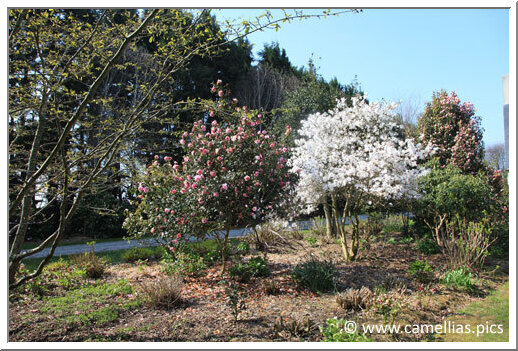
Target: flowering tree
(453,128)
(354,155)
(232,176)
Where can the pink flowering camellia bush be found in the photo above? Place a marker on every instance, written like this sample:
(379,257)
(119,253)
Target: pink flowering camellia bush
(233,175)
(453,128)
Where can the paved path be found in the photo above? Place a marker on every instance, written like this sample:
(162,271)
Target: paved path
(124,244)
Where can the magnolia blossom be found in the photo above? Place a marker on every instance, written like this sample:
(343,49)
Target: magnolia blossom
(355,150)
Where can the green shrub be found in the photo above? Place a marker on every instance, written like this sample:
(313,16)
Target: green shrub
(240,272)
(235,298)
(428,246)
(392,241)
(460,279)
(255,267)
(317,276)
(242,248)
(311,240)
(258,267)
(184,264)
(335,331)
(138,254)
(406,240)
(421,271)
(92,266)
(393,226)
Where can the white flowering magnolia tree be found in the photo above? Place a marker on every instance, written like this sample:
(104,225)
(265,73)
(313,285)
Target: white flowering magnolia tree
(353,155)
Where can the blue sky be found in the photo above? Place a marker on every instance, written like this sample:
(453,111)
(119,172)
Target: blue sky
(406,54)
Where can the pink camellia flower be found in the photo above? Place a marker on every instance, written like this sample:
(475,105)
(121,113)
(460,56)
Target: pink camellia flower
(175,167)
(178,235)
(257,141)
(182,190)
(145,189)
(259,116)
(175,241)
(223,169)
(247,178)
(215,194)
(141,196)
(214,123)
(198,178)
(193,185)
(212,173)
(155,163)
(203,128)
(182,141)
(200,172)
(218,82)
(167,210)
(172,249)
(228,130)
(189,145)
(204,220)
(220,93)
(256,173)
(257,184)
(173,191)
(245,195)
(224,186)
(213,89)
(140,188)
(152,230)
(157,157)
(254,209)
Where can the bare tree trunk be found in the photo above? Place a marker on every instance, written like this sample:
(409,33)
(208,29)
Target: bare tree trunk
(224,251)
(329,220)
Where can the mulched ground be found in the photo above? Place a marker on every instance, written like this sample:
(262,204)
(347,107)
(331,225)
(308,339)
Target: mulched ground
(204,316)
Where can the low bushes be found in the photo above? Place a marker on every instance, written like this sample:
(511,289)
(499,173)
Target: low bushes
(164,292)
(92,266)
(136,254)
(460,279)
(184,264)
(315,275)
(355,299)
(421,271)
(338,330)
(255,267)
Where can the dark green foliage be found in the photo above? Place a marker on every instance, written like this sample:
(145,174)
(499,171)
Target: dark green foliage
(142,254)
(421,271)
(255,267)
(242,248)
(315,275)
(235,298)
(428,246)
(258,267)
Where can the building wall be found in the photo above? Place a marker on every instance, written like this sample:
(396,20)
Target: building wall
(505,86)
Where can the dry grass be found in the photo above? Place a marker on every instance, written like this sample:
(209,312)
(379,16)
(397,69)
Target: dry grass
(355,299)
(163,292)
